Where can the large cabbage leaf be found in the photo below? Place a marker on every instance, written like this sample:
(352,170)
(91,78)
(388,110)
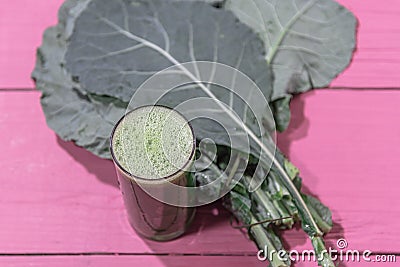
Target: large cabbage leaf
(87,116)
(117,45)
(73,115)
(308,43)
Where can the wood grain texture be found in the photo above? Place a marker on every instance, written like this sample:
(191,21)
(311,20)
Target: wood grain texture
(22,23)
(346,144)
(375,63)
(129,261)
(377,58)
(162,261)
(58,198)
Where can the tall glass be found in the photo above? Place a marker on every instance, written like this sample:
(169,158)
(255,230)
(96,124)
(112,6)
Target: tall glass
(150,217)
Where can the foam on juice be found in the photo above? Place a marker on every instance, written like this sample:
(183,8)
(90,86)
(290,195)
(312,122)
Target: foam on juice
(153,142)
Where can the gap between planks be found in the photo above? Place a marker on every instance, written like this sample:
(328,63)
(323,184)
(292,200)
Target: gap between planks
(4,90)
(56,254)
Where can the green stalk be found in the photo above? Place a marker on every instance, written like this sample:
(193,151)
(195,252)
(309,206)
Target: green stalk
(308,223)
(242,202)
(241,206)
(261,199)
(305,212)
(291,207)
(282,210)
(321,253)
(262,240)
(326,228)
(278,205)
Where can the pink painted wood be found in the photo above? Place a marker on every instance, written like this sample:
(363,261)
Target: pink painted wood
(346,144)
(129,261)
(376,61)
(22,23)
(377,58)
(58,198)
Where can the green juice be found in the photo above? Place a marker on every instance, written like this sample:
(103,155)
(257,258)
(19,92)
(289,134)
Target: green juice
(152,146)
(153,142)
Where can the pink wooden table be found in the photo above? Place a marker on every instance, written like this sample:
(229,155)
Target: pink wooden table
(60,206)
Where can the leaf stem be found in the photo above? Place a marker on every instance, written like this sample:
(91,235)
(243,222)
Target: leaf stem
(321,253)
(262,200)
(286,179)
(263,242)
(272,51)
(321,223)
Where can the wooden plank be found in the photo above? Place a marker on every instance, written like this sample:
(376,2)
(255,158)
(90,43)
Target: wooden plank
(56,197)
(166,261)
(346,144)
(22,23)
(129,261)
(377,58)
(375,63)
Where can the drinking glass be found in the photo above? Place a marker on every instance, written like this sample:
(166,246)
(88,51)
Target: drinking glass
(150,217)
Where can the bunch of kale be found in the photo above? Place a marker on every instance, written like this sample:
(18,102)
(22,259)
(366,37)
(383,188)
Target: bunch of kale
(100,52)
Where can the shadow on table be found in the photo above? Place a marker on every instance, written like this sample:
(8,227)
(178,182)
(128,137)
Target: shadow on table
(209,234)
(212,216)
(299,124)
(208,217)
(300,238)
(298,129)
(103,169)
(334,235)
